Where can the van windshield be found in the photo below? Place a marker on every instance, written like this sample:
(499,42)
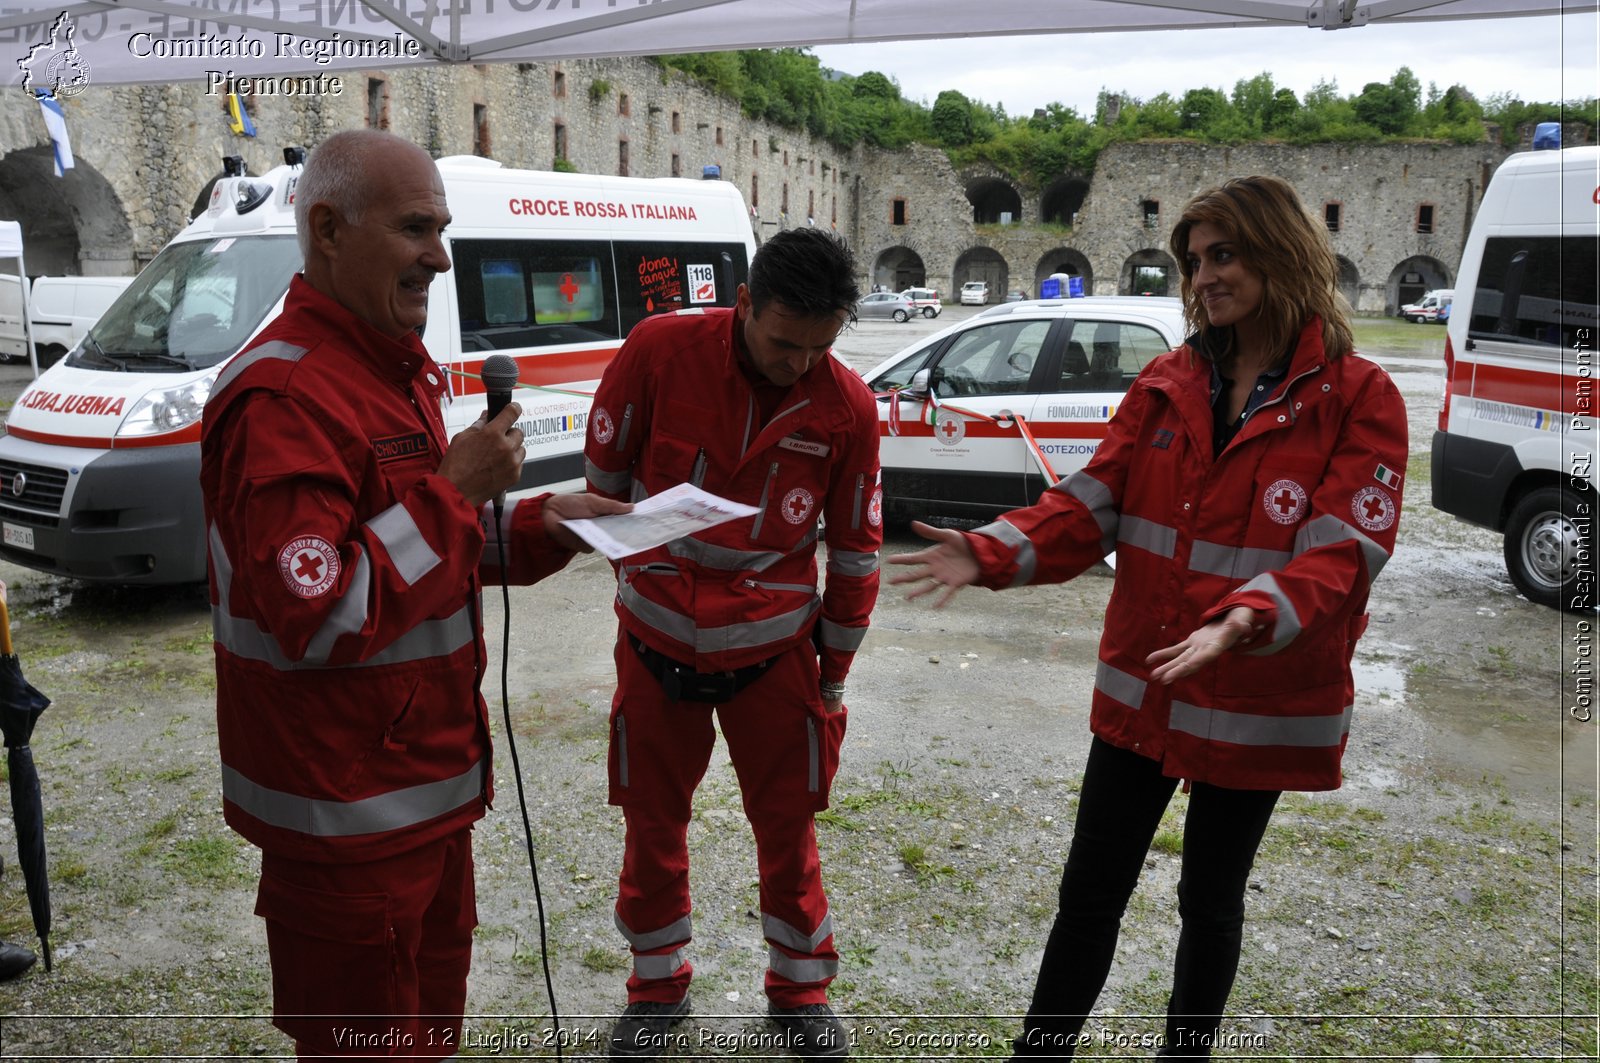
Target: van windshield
(193,306)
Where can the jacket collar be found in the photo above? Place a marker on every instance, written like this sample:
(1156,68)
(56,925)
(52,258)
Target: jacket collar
(396,360)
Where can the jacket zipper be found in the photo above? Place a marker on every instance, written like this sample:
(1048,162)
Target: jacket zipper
(766,490)
(622,751)
(855,512)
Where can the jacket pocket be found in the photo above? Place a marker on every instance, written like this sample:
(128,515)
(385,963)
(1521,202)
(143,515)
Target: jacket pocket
(792,494)
(392,739)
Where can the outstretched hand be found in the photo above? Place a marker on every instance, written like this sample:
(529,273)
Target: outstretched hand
(1204,645)
(558,508)
(946,566)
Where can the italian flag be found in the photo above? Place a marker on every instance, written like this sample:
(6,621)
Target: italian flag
(1387,477)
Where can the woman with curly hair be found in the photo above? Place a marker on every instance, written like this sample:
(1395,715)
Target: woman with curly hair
(1250,484)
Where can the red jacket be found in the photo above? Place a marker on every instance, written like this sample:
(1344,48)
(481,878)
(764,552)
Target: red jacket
(1294,519)
(674,406)
(344,592)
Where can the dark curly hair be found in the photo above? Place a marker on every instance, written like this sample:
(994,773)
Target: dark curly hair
(810,271)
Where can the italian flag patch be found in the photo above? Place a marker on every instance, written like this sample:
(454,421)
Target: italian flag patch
(1387,477)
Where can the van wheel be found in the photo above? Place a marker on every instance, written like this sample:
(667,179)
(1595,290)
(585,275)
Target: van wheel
(1547,551)
(50,355)
(901,315)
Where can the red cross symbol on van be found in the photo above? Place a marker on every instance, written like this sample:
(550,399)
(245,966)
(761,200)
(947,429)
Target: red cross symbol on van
(569,288)
(949,429)
(308,567)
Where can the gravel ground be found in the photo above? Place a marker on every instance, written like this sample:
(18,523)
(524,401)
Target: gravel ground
(1442,904)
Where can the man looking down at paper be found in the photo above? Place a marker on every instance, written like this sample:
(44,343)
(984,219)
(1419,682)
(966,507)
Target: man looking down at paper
(745,403)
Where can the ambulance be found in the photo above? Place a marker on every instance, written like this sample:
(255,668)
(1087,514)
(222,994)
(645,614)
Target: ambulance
(100,464)
(1515,446)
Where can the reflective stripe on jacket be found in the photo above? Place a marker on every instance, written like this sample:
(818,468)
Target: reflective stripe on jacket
(344,592)
(674,406)
(1294,519)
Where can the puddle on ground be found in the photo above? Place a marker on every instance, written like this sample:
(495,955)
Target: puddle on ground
(1504,731)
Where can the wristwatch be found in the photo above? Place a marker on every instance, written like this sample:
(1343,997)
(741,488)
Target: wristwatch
(831,691)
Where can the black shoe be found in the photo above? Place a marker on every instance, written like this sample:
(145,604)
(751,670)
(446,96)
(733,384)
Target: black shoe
(813,1031)
(14,959)
(641,1030)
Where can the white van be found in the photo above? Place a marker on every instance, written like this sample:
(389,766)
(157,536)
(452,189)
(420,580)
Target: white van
(1426,310)
(1515,446)
(13,338)
(100,466)
(974,293)
(63,308)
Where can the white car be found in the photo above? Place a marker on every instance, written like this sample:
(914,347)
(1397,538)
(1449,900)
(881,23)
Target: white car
(951,443)
(974,293)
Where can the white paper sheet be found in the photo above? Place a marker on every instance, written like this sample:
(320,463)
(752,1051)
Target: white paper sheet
(674,513)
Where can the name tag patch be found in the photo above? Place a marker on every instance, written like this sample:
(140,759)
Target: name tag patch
(804,446)
(399,448)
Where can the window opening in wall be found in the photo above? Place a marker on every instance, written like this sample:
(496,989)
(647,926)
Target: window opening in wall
(755,191)
(677,122)
(835,218)
(677,166)
(719,136)
(480,130)
(558,85)
(561,141)
(785,206)
(1331,214)
(622,158)
(897,211)
(786,157)
(377,103)
(813,167)
(755,149)
(1151,210)
(1425,218)
(624,106)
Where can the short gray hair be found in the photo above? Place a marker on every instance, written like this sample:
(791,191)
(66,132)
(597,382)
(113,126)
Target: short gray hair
(335,174)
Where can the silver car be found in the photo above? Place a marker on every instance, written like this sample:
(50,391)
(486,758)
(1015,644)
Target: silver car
(885,304)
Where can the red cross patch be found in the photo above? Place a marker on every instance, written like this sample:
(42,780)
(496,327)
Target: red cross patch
(1284,501)
(604,426)
(1373,509)
(875,508)
(797,505)
(309,566)
(950,429)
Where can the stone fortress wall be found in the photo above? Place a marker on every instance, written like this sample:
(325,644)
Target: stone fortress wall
(144,154)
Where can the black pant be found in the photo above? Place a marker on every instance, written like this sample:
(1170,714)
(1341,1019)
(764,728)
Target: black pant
(1119,809)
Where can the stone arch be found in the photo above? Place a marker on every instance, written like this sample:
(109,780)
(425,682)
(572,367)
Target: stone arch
(71,226)
(1349,280)
(899,268)
(1062,200)
(982,264)
(1149,271)
(1413,278)
(991,197)
(1064,260)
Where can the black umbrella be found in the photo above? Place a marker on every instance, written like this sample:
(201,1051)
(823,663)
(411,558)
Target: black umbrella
(20,706)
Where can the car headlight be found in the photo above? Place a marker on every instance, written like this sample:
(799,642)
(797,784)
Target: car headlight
(163,410)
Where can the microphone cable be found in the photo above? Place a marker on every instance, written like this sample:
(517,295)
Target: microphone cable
(516,769)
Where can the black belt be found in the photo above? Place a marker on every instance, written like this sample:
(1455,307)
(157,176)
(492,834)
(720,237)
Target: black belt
(682,683)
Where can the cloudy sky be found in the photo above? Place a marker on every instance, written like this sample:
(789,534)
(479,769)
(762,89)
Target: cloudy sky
(1538,59)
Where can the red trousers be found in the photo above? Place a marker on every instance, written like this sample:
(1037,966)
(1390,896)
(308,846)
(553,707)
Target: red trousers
(371,959)
(785,749)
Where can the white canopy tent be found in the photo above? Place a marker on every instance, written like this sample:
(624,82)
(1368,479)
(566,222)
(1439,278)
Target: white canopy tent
(11,247)
(127,41)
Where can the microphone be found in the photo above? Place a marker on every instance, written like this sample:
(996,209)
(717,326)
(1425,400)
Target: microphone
(499,376)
